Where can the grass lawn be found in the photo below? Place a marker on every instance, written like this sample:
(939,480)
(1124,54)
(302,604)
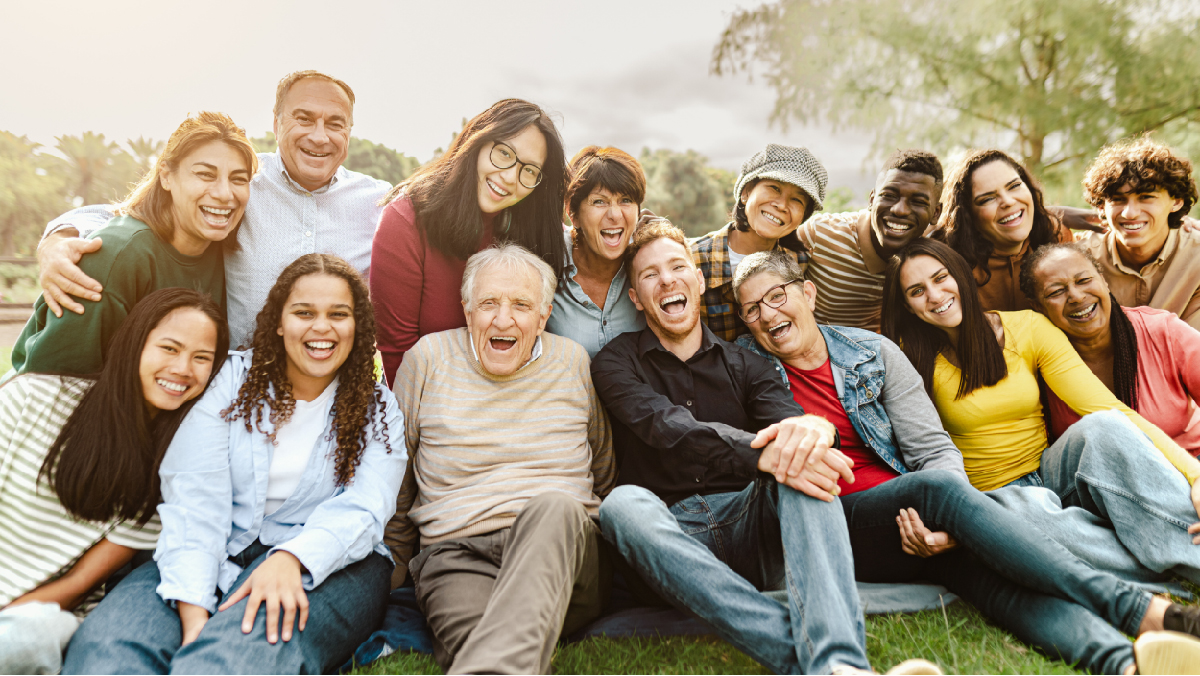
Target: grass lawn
(958,639)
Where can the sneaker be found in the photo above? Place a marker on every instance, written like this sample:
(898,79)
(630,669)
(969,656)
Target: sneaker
(1167,652)
(916,666)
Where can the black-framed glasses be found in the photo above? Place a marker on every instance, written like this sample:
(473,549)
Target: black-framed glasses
(774,297)
(503,157)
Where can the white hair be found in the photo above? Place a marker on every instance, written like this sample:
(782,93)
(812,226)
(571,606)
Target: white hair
(513,259)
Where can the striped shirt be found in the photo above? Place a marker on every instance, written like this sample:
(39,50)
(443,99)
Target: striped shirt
(39,541)
(845,268)
(480,446)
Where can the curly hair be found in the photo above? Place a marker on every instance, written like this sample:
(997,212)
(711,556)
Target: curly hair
(957,226)
(359,398)
(1143,166)
(915,161)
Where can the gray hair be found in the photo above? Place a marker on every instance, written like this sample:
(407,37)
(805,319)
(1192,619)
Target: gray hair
(513,259)
(775,261)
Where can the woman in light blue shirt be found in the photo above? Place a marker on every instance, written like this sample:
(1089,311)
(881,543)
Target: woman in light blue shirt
(592,304)
(274,504)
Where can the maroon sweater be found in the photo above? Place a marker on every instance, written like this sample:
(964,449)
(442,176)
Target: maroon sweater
(415,288)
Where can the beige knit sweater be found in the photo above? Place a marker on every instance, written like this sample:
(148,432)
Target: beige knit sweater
(480,446)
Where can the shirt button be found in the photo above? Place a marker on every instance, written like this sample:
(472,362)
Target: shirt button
(308,233)
(606,322)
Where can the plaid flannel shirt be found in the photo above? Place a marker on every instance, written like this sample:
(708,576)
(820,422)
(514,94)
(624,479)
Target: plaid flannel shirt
(718,307)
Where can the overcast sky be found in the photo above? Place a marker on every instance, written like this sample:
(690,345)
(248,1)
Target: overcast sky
(628,73)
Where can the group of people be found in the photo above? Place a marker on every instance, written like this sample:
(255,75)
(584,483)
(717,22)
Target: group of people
(200,454)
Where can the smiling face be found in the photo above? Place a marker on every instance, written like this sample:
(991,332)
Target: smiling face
(787,331)
(931,292)
(604,222)
(209,189)
(177,359)
(313,131)
(666,287)
(317,327)
(1002,205)
(1139,219)
(1072,294)
(500,188)
(903,205)
(505,317)
(774,208)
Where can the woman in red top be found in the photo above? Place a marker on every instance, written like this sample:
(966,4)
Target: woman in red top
(503,178)
(1145,356)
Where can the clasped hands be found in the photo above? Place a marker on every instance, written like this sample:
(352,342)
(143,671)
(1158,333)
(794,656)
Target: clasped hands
(799,452)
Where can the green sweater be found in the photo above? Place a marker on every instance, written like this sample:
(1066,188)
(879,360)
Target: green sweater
(131,264)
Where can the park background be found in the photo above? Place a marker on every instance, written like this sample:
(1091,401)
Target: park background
(91,90)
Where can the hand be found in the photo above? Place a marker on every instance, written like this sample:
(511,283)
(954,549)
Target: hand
(1194,529)
(647,216)
(820,481)
(1079,219)
(59,274)
(918,540)
(799,440)
(1191,225)
(192,619)
(277,583)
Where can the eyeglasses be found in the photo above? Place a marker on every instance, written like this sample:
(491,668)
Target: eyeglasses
(774,297)
(503,157)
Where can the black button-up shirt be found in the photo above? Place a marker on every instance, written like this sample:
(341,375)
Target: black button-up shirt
(684,428)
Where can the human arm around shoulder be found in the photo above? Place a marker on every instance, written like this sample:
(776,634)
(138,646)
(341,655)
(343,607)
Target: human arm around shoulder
(96,565)
(397,275)
(1065,373)
(661,424)
(916,425)
(66,240)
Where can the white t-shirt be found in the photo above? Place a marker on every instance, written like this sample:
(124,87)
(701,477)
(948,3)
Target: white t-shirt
(734,259)
(294,444)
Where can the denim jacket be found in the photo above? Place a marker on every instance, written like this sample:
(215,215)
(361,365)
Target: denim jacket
(884,398)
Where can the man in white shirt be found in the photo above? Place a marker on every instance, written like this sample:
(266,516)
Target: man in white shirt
(301,201)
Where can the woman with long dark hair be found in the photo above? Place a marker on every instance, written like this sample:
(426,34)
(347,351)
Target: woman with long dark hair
(503,178)
(194,196)
(604,200)
(993,215)
(79,457)
(274,504)
(982,370)
(1146,357)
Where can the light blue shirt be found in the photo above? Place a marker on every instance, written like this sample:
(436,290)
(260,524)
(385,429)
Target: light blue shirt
(214,483)
(282,222)
(575,316)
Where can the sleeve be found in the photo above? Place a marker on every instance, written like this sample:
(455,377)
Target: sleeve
(769,399)
(76,343)
(397,272)
(197,507)
(604,463)
(661,424)
(134,536)
(347,527)
(1064,372)
(1185,343)
(401,535)
(916,426)
(87,220)
(1191,312)
(807,231)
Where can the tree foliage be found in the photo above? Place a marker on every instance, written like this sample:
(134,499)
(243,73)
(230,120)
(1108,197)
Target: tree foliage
(29,194)
(683,188)
(1049,80)
(363,156)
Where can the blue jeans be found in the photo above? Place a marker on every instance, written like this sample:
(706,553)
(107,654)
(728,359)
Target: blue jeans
(1014,574)
(713,554)
(1126,509)
(133,631)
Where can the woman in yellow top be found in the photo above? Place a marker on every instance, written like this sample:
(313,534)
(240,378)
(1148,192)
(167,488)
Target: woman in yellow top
(981,370)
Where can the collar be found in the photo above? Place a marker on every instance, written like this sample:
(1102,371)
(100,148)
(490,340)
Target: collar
(287,179)
(875,264)
(647,341)
(1007,259)
(1114,256)
(533,354)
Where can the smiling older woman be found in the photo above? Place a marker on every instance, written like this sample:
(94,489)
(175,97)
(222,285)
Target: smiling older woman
(1144,356)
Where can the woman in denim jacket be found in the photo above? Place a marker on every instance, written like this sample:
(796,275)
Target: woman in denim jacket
(911,512)
(276,490)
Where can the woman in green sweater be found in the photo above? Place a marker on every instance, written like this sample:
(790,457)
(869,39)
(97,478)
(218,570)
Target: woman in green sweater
(194,196)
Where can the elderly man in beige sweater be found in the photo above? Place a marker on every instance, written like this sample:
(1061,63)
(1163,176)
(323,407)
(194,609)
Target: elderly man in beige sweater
(510,452)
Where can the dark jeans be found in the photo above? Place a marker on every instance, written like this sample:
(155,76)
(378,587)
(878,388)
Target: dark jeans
(133,631)
(1014,574)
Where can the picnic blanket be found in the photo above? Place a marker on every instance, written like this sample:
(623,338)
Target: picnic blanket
(404,628)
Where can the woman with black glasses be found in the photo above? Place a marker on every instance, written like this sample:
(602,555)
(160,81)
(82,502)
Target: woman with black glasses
(503,178)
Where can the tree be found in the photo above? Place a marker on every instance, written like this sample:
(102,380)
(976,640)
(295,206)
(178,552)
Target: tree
(380,161)
(29,195)
(1050,80)
(97,170)
(145,153)
(683,188)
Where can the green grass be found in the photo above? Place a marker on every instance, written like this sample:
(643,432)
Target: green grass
(958,639)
